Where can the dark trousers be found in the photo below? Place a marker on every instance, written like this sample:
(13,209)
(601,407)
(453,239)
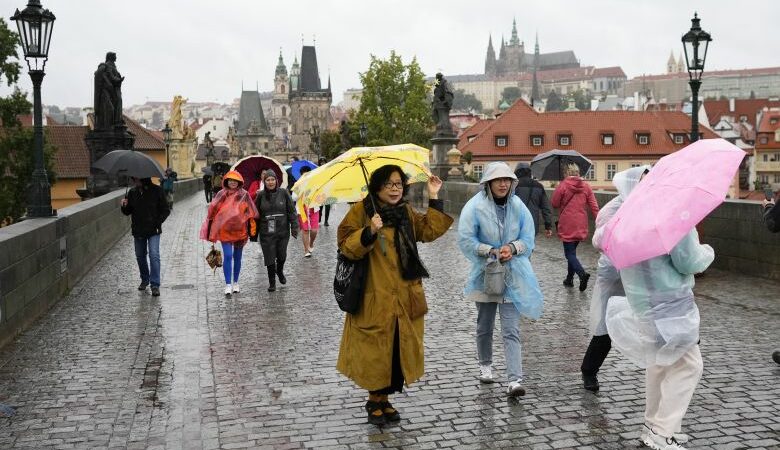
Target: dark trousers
(327,212)
(397,377)
(574,266)
(208,193)
(596,354)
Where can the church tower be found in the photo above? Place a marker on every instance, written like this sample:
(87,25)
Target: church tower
(681,67)
(309,103)
(535,97)
(490,59)
(671,64)
(280,104)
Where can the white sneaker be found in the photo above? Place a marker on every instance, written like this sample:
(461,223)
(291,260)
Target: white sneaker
(307,255)
(657,442)
(681,438)
(228,289)
(486,374)
(236,289)
(515,389)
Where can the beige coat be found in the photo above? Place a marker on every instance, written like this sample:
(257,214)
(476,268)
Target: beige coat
(366,349)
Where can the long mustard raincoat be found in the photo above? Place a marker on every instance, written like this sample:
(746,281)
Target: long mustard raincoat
(366,349)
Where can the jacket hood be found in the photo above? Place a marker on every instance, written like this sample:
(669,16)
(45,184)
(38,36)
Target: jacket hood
(576,184)
(627,180)
(523,170)
(494,171)
(233,175)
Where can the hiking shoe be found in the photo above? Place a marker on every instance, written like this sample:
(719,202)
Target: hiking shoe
(584,282)
(375,414)
(272,287)
(142,286)
(590,382)
(486,374)
(657,442)
(228,290)
(568,282)
(515,389)
(155,291)
(391,414)
(307,255)
(236,289)
(282,278)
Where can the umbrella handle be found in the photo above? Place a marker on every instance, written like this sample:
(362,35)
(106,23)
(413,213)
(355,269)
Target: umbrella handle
(382,243)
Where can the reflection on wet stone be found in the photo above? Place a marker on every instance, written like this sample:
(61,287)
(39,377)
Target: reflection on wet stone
(112,367)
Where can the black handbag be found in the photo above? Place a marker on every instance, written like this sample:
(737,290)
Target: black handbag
(349,283)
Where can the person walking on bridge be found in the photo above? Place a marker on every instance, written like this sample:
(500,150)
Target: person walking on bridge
(228,221)
(277,223)
(496,234)
(532,193)
(382,343)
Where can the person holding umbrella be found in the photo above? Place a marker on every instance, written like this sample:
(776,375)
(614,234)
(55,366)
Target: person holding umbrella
(277,223)
(148,208)
(382,343)
(572,197)
(325,208)
(309,227)
(496,234)
(228,221)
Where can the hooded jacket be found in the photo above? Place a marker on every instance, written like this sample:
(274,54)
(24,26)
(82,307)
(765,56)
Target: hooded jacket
(229,213)
(147,208)
(571,197)
(532,193)
(480,230)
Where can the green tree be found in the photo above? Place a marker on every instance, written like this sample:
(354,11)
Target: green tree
(554,102)
(510,94)
(330,144)
(16,143)
(466,102)
(395,105)
(581,100)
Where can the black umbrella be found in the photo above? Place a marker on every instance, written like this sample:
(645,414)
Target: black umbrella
(220,167)
(207,171)
(129,163)
(550,165)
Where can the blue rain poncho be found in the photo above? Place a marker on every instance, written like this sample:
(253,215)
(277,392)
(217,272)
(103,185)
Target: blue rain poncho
(480,229)
(657,321)
(608,282)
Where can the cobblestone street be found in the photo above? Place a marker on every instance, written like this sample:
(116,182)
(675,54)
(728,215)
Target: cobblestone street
(112,367)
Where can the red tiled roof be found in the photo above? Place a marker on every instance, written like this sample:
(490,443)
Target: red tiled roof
(767,119)
(72,156)
(473,131)
(145,139)
(742,107)
(612,72)
(195,125)
(520,121)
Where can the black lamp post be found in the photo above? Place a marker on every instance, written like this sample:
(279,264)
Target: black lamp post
(363,133)
(167,138)
(694,59)
(35,26)
(315,134)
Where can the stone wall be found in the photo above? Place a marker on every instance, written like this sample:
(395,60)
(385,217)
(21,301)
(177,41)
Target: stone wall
(735,230)
(42,259)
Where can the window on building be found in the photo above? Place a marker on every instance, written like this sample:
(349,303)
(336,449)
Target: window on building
(635,165)
(564,140)
(284,111)
(777,178)
(265,145)
(607,139)
(763,140)
(471,138)
(766,157)
(537,140)
(254,145)
(678,139)
(282,88)
(611,170)
(591,173)
(743,118)
(776,157)
(773,121)
(502,141)
(214,128)
(642,139)
(601,83)
(764,179)
(477,171)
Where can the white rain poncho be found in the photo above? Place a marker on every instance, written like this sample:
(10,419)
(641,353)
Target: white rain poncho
(658,321)
(608,282)
(480,229)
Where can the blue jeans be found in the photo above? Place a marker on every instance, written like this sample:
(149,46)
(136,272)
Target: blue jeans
(231,262)
(574,266)
(510,331)
(153,243)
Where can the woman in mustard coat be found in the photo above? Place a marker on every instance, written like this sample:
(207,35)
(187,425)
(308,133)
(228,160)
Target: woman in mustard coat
(382,344)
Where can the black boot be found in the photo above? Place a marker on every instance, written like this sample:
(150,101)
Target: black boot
(597,352)
(280,272)
(271,277)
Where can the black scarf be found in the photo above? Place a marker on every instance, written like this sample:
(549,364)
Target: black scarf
(397,216)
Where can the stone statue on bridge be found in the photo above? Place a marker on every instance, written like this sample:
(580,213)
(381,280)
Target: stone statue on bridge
(108,94)
(442,104)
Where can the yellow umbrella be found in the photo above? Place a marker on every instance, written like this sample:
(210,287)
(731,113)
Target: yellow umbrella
(345,178)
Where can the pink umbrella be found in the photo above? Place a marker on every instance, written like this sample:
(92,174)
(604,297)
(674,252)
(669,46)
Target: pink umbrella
(680,191)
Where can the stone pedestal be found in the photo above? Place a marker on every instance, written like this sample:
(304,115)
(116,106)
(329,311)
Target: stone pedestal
(453,157)
(182,154)
(440,144)
(99,143)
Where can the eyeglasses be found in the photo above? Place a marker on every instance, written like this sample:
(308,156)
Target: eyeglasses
(390,185)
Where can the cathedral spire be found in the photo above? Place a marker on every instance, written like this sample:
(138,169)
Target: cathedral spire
(281,69)
(490,58)
(514,40)
(535,83)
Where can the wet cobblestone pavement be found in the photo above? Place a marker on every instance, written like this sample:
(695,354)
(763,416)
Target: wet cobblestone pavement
(112,367)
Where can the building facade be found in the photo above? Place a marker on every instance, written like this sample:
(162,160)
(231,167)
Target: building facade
(766,159)
(512,58)
(309,104)
(250,134)
(280,106)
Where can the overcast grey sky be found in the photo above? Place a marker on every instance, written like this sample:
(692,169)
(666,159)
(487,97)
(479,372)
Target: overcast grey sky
(204,49)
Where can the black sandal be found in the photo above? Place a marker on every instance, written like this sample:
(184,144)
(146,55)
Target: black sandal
(391,414)
(375,414)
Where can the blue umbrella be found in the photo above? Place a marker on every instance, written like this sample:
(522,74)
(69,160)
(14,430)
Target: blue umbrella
(298,165)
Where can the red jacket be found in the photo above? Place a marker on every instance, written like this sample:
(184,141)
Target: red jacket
(572,197)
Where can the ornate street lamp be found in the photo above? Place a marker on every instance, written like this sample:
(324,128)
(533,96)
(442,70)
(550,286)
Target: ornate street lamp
(167,139)
(35,25)
(363,133)
(695,56)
